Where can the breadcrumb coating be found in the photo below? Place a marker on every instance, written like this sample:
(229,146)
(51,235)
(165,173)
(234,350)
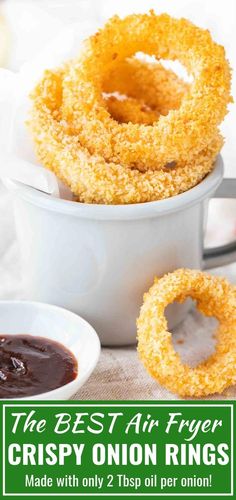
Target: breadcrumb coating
(176,137)
(214,297)
(90,177)
(132,110)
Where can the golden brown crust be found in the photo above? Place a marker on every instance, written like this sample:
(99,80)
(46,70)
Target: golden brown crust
(215,297)
(179,135)
(130,109)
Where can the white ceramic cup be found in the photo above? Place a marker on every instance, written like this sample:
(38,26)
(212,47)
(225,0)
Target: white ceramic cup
(98,260)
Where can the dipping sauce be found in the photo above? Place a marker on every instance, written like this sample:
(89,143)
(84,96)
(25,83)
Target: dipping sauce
(32,365)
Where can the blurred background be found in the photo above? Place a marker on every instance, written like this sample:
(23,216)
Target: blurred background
(28,26)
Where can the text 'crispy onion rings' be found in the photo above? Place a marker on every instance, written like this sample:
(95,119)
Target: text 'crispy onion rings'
(90,177)
(176,137)
(214,297)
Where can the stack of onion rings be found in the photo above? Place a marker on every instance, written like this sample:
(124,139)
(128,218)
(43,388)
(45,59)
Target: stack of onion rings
(215,297)
(90,177)
(60,130)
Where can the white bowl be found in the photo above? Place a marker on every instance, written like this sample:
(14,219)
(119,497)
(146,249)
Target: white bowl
(61,325)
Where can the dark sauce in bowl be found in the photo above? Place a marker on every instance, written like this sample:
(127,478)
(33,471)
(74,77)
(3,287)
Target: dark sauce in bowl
(31,365)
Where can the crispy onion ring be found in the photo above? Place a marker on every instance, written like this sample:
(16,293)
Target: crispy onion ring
(150,83)
(147,91)
(215,297)
(181,134)
(90,177)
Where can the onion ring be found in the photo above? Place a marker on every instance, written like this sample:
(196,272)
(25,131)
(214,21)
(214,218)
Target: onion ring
(90,177)
(147,91)
(159,88)
(215,297)
(176,137)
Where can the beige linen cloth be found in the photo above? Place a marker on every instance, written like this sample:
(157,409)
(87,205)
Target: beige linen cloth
(119,373)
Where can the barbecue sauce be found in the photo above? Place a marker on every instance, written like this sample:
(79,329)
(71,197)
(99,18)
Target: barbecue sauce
(31,365)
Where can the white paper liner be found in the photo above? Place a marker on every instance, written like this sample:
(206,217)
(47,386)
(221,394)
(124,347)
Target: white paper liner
(15,88)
